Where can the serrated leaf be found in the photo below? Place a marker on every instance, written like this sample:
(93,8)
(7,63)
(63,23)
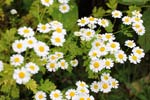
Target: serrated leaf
(98,12)
(112,4)
(47,86)
(145,39)
(32,85)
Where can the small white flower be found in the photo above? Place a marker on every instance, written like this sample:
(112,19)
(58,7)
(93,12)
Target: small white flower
(59,31)
(19,46)
(95,86)
(83,21)
(40,95)
(140,31)
(26,31)
(114,83)
(136,13)
(103,22)
(16,60)
(137,20)
(121,57)
(127,20)
(97,43)
(64,8)
(134,59)
(55,24)
(137,26)
(41,49)
(70,93)
(92,20)
(1,66)
(21,76)
(81,84)
(96,65)
(44,28)
(94,54)
(47,2)
(56,95)
(59,55)
(113,46)
(88,34)
(52,66)
(105,77)
(63,1)
(105,87)
(103,50)
(74,62)
(13,11)
(30,42)
(108,37)
(116,14)
(63,64)
(32,68)
(138,51)
(108,63)
(82,90)
(57,40)
(130,43)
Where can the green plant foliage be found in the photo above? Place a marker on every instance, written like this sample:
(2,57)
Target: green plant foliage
(98,12)
(145,39)
(32,85)
(46,86)
(131,2)
(112,4)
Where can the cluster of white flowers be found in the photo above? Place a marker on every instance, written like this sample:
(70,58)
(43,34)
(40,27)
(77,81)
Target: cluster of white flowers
(135,20)
(105,85)
(63,7)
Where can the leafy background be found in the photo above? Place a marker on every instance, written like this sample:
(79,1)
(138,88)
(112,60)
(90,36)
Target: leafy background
(134,79)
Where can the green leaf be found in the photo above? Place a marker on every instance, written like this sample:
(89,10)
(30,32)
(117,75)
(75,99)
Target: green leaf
(100,12)
(32,85)
(145,39)
(112,4)
(68,19)
(46,86)
(110,27)
(133,2)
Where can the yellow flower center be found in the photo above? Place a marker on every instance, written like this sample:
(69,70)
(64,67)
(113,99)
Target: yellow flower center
(134,58)
(26,31)
(126,20)
(116,14)
(94,54)
(113,83)
(138,51)
(96,64)
(106,77)
(88,33)
(91,19)
(82,21)
(72,94)
(113,45)
(105,86)
(32,67)
(52,65)
(95,86)
(62,63)
(120,56)
(41,96)
(57,39)
(30,42)
(41,48)
(21,74)
(97,44)
(43,27)
(130,43)
(16,60)
(64,8)
(107,63)
(103,22)
(102,49)
(47,1)
(81,98)
(56,95)
(108,36)
(59,30)
(19,45)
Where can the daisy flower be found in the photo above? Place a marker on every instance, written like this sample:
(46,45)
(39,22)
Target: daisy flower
(81,84)
(30,42)
(41,49)
(105,77)
(57,40)
(40,95)
(105,87)
(1,66)
(116,14)
(25,31)
(127,20)
(113,46)
(95,87)
(97,43)
(21,76)
(130,43)
(59,30)
(74,62)
(55,24)
(140,31)
(56,95)
(91,26)
(137,26)
(103,50)
(138,51)
(19,46)
(63,64)
(92,20)
(103,22)
(16,60)
(96,65)
(82,90)
(136,13)
(88,34)
(44,28)
(53,57)
(134,59)
(90,97)
(64,8)
(59,55)
(114,83)
(32,68)
(108,63)
(137,20)
(83,21)
(120,56)
(108,37)
(94,54)
(47,2)
(52,66)
(70,93)
(63,1)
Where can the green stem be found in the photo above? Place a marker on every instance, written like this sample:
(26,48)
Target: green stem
(122,30)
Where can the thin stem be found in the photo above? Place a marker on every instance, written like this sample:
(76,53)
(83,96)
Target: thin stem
(122,30)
